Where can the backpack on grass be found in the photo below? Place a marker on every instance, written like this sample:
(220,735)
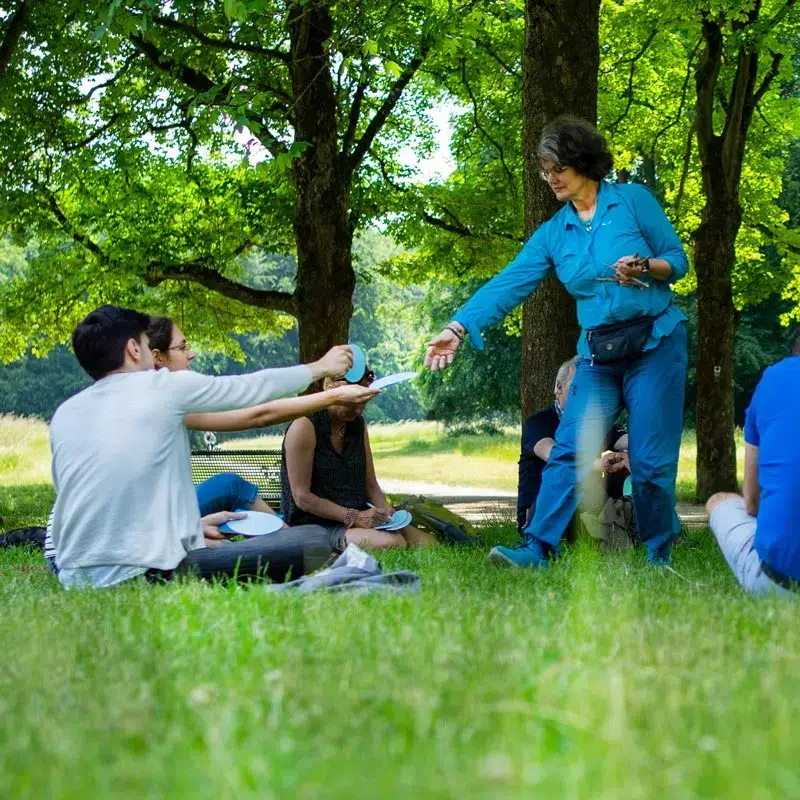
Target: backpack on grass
(434,518)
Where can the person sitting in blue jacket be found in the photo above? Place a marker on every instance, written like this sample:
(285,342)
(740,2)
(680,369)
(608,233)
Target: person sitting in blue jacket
(632,345)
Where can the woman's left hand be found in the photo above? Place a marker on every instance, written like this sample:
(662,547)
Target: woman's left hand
(628,268)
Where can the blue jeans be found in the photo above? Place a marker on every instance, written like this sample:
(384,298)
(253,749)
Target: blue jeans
(225,492)
(651,386)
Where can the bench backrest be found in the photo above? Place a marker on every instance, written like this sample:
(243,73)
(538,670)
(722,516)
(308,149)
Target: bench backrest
(261,467)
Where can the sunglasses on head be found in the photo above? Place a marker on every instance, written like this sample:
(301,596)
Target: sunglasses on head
(366,378)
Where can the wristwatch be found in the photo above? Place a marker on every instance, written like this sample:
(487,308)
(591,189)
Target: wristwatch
(645,262)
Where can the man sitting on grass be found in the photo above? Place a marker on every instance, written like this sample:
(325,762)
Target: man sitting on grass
(125,502)
(759,533)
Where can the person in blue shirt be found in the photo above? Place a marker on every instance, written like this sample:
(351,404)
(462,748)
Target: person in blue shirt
(759,532)
(632,345)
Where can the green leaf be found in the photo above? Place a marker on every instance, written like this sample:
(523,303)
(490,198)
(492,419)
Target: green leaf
(393,68)
(298,148)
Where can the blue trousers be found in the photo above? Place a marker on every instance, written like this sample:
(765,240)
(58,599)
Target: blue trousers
(651,386)
(225,492)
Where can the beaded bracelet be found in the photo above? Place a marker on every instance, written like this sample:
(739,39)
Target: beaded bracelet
(452,328)
(350,517)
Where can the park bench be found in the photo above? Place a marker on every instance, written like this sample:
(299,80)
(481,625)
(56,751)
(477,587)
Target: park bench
(260,467)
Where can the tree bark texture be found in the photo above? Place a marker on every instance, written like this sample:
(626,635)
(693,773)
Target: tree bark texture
(323,235)
(721,158)
(560,64)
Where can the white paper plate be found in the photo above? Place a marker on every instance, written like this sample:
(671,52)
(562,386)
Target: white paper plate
(256,523)
(390,380)
(398,520)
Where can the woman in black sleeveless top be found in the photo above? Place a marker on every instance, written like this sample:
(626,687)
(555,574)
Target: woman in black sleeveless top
(328,478)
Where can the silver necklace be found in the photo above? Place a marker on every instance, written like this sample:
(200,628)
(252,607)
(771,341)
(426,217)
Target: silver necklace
(587,223)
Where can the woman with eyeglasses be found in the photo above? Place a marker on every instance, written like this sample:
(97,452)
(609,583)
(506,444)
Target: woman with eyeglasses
(228,491)
(615,251)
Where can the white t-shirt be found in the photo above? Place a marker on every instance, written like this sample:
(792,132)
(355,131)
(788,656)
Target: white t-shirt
(121,467)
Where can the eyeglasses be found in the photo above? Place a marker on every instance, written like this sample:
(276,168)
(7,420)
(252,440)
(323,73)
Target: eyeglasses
(183,346)
(557,169)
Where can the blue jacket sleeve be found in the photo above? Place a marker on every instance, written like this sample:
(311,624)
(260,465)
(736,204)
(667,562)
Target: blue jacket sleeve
(658,230)
(507,289)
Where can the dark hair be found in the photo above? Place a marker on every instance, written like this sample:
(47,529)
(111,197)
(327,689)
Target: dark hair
(573,142)
(795,349)
(99,340)
(159,332)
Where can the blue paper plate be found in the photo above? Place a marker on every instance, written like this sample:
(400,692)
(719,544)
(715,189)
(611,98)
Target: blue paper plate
(356,372)
(398,520)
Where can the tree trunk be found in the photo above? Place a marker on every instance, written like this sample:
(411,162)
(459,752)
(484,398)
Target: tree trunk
(713,256)
(560,63)
(325,277)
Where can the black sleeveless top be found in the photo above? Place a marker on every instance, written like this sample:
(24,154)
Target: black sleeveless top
(338,477)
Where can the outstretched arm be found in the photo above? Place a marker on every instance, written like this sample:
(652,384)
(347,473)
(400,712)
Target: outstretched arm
(278,411)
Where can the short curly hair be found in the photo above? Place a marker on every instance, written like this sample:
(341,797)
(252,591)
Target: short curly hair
(573,142)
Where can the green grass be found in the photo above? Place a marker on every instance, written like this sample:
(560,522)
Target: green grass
(598,678)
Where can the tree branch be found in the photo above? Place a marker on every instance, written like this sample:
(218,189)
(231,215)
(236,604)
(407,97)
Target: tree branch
(386,108)
(770,234)
(220,44)
(355,112)
(197,272)
(16,25)
(71,148)
(780,14)
(506,66)
(684,92)
(485,133)
(629,91)
(112,80)
(706,76)
(768,78)
(687,157)
(188,76)
(462,230)
(81,238)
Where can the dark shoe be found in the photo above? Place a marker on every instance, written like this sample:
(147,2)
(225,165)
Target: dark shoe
(34,537)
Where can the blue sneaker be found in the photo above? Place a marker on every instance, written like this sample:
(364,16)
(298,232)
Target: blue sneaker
(528,553)
(661,555)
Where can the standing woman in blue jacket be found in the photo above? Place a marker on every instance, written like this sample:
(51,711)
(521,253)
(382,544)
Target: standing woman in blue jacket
(632,345)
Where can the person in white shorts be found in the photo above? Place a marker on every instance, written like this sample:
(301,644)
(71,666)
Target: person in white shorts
(759,531)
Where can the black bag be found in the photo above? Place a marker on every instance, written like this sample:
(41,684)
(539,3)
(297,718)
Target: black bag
(609,343)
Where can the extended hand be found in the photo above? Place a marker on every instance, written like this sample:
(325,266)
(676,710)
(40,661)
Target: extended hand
(211,523)
(442,350)
(334,363)
(354,394)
